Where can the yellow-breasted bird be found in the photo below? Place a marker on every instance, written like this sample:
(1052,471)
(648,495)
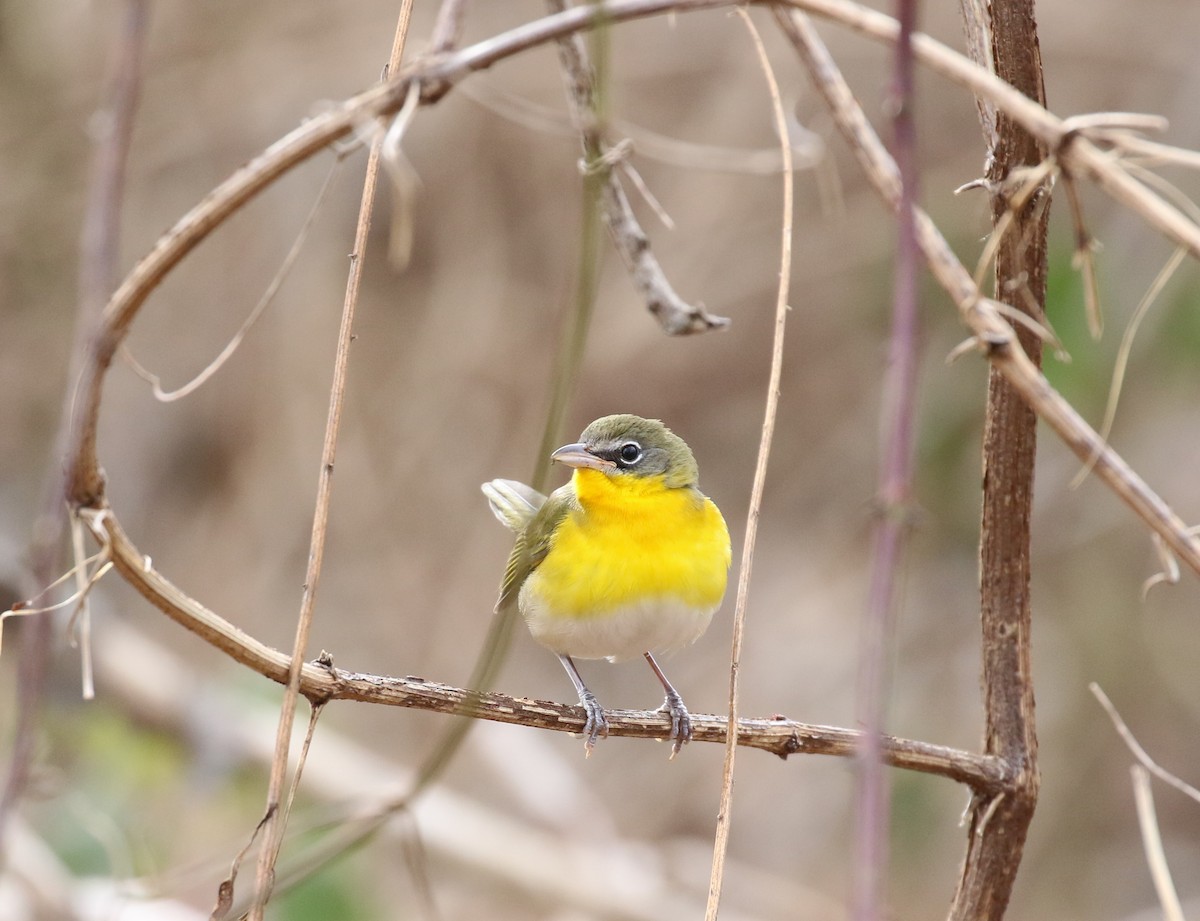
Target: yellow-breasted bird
(627,559)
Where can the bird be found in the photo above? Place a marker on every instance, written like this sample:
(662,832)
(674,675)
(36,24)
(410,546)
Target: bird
(627,559)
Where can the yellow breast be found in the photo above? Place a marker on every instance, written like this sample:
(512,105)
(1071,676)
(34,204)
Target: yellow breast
(634,544)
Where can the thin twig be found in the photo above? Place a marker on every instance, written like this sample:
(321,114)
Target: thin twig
(80,627)
(808,152)
(1135,747)
(564,376)
(990,865)
(1156,857)
(1083,259)
(276,816)
(1165,274)
(894,498)
(285,267)
(724,811)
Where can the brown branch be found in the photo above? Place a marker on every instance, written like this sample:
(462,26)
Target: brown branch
(319,683)
(998,827)
(435,74)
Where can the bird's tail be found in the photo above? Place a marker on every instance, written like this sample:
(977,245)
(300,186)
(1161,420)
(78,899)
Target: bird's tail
(514,504)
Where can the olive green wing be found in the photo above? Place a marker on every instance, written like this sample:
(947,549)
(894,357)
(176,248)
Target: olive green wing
(533,543)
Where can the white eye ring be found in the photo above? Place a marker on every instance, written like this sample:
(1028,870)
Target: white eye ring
(631,452)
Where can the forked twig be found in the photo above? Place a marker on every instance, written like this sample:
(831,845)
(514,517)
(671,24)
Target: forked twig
(674,314)
(1147,821)
(1083,259)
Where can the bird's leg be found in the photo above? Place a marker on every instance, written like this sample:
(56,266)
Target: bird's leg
(681,721)
(596,724)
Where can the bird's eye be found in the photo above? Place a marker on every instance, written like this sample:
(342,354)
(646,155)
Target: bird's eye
(631,452)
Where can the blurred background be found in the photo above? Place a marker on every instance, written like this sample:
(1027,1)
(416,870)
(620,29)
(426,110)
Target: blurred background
(162,778)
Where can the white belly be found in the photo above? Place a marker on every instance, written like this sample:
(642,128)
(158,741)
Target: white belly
(658,626)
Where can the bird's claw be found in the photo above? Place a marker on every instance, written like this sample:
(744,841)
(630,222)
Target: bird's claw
(681,722)
(596,725)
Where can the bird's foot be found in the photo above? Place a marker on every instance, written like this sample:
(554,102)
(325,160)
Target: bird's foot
(596,725)
(681,722)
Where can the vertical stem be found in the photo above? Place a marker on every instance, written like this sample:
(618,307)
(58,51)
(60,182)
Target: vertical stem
(97,272)
(584,64)
(275,817)
(586,83)
(997,830)
(895,489)
(770,412)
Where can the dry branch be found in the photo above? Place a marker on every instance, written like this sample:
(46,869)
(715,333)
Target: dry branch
(277,811)
(321,683)
(676,316)
(1156,855)
(767,434)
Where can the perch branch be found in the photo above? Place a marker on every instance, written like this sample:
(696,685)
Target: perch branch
(320,683)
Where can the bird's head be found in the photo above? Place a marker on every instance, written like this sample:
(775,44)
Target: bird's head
(628,445)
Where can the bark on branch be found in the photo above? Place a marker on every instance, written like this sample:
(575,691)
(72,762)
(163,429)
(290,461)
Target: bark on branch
(323,681)
(998,827)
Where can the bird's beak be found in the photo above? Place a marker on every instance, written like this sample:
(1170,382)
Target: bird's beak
(577,455)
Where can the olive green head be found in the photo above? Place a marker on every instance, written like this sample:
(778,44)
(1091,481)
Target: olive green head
(624,444)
